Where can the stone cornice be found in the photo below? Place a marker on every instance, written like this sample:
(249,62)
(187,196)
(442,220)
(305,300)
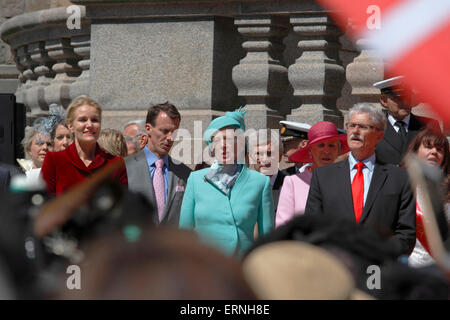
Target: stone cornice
(114,9)
(42,20)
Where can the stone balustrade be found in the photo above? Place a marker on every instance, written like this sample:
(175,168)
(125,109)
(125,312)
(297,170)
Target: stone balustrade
(282,59)
(51,58)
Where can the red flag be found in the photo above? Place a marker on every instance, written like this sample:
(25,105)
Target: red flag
(413,36)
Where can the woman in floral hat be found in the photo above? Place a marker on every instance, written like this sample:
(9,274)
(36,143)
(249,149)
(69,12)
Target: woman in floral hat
(223,203)
(325,144)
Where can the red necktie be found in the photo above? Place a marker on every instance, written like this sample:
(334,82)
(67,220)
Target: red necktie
(358,191)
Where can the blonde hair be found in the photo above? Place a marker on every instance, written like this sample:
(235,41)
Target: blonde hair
(78,102)
(113,142)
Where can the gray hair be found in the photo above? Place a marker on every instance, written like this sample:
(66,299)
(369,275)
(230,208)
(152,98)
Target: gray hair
(132,140)
(377,116)
(140,124)
(30,132)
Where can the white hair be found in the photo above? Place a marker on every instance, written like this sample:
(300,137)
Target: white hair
(377,116)
(140,123)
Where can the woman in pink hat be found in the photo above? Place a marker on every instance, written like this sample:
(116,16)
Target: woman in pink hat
(325,144)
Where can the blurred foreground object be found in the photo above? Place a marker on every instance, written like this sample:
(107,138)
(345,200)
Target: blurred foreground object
(40,236)
(411,37)
(57,212)
(432,199)
(21,258)
(359,247)
(299,271)
(164,263)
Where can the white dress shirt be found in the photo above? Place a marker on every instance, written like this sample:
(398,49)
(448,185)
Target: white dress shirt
(392,121)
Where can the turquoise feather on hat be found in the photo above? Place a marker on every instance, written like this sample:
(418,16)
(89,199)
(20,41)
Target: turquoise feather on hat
(230,119)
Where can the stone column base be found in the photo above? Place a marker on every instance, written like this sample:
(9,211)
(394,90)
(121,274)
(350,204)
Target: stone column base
(260,117)
(314,113)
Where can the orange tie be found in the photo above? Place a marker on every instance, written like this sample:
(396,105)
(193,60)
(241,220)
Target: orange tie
(358,191)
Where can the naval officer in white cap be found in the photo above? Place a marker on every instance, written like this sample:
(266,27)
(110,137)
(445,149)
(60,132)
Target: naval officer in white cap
(294,136)
(402,125)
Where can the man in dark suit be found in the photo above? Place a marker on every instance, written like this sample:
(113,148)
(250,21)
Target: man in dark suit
(294,136)
(402,126)
(152,172)
(363,190)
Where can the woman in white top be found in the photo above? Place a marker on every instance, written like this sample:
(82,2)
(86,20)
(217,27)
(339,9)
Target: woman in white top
(432,148)
(36,143)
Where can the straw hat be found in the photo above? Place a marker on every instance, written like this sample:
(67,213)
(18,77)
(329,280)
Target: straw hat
(320,132)
(293,270)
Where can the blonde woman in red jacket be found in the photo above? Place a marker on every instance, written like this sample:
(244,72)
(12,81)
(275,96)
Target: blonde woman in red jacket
(84,157)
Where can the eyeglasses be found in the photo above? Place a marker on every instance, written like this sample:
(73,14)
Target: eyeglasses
(363,127)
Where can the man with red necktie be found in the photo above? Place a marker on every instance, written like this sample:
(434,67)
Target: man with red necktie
(363,190)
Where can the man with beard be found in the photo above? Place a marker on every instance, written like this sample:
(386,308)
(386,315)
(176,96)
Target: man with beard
(152,172)
(363,190)
(402,126)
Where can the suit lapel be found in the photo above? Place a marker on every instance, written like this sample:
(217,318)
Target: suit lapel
(378,178)
(170,195)
(147,181)
(393,138)
(413,128)
(238,185)
(279,180)
(173,182)
(346,191)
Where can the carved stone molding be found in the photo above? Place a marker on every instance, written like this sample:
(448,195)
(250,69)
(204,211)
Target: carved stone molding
(317,76)
(261,77)
(363,72)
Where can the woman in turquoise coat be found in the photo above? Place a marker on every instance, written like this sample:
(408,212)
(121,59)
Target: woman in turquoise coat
(223,203)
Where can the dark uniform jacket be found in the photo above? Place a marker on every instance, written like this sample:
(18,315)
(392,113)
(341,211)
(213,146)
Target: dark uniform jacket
(391,149)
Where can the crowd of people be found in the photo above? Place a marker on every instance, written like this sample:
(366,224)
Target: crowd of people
(355,176)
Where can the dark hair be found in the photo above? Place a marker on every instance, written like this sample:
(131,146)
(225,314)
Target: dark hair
(431,137)
(165,107)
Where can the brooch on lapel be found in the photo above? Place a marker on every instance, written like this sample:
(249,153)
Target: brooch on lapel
(179,188)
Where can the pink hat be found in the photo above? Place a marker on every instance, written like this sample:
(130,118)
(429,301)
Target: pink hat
(320,132)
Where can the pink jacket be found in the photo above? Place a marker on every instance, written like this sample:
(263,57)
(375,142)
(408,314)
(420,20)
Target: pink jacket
(293,196)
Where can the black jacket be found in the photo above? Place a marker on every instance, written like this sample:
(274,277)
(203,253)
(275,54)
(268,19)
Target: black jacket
(390,206)
(277,188)
(391,148)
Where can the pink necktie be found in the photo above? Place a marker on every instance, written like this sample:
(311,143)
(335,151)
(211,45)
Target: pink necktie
(158,186)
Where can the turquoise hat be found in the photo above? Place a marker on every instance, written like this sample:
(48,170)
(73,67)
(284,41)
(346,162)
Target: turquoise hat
(230,119)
